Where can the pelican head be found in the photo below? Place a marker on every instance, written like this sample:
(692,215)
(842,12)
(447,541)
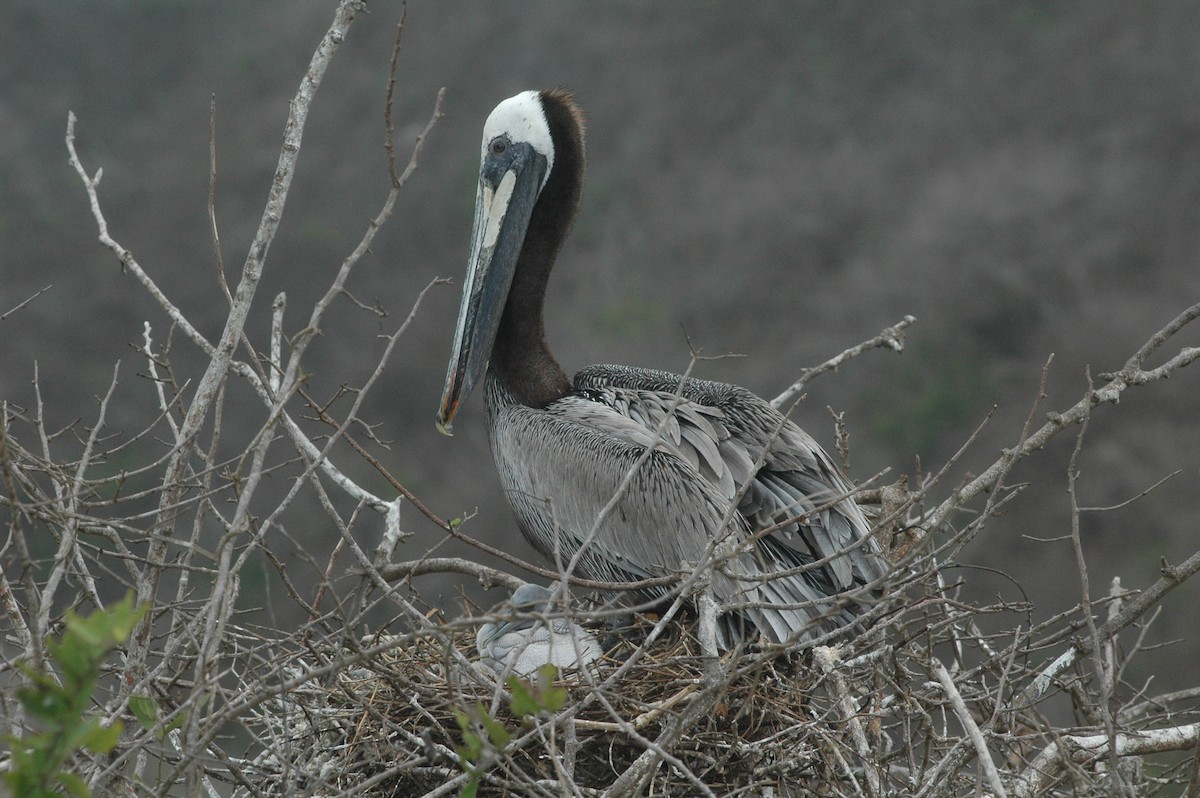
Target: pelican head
(516,159)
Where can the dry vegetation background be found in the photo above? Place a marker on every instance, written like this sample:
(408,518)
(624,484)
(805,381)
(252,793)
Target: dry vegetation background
(779,182)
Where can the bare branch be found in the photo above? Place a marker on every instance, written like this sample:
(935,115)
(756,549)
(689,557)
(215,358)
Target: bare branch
(827,659)
(212,197)
(1073,750)
(487,577)
(971,727)
(24,302)
(1131,375)
(890,338)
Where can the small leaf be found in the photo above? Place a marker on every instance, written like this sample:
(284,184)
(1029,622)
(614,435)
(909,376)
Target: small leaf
(89,630)
(74,784)
(46,704)
(78,730)
(145,709)
(470,790)
(22,761)
(123,616)
(546,674)
(498,735)
(101,739)
(106,629)
(554,699)
(471,748)
(522,702)
(78,659)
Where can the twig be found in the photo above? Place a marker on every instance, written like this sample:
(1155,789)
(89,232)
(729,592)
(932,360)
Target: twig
(28,641)
(212,197)
(1132,499)
(1193,788)
(275,366)
(24,302)
(1074,749)
(152,368)
(68,551)
(827,659)
(1172,577)
(642,769)
(487,577)
(1103,675)
(389,140)
(891,338)
(302,339)
(1132,374)
(971,727)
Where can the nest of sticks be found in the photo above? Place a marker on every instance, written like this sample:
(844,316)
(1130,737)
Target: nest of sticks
(400,721)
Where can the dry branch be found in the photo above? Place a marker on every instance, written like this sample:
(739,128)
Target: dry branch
(891,338)
(350,704)
(1131,375)
(1075,750)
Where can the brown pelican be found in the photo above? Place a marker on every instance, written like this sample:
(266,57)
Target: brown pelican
(526,641)
(794,541)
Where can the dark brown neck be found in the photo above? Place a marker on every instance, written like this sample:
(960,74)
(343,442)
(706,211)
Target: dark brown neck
(521,359)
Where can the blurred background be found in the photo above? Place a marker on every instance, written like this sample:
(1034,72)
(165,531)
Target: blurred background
(775,181)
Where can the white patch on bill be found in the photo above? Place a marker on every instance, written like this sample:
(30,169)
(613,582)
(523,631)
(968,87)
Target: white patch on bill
(497,207)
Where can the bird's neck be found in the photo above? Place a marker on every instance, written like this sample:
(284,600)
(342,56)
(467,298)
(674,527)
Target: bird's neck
(521,358)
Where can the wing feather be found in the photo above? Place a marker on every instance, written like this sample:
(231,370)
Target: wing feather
(795,478)
(562,464)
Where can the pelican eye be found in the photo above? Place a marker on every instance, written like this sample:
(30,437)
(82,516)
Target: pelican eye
(497,146)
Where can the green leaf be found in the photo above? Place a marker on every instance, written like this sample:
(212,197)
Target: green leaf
(145,709)
(101,739)
(554,699)
(470,790)
(472,747)
(37,759)
(496,732)
(529,698)
(21,767)
(177,723)
(103,630)
(74,785)
(85,630)
(79,661)
(46,704)
(123,616)
(522,702)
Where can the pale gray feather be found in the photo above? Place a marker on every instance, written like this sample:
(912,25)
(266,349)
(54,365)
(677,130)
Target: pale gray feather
(797,476)
(525,641)
(561,465)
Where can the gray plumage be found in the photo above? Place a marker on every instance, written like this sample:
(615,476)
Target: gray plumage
(728,474)
(561,464)
(531,638)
